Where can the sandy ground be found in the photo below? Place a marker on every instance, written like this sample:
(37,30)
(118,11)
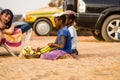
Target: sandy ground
(96,61)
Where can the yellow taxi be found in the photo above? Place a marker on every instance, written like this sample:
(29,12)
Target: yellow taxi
(42,20)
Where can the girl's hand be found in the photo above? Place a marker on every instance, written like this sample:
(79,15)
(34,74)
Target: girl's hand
(50,44)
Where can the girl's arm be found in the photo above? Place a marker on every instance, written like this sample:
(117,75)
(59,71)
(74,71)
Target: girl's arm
(63,42)
(56,40)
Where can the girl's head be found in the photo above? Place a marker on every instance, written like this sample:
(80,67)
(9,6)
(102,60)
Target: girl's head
(6,17)
(70,17)
(60,19)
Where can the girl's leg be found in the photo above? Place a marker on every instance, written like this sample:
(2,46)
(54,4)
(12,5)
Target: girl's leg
(53,55)
(74,53)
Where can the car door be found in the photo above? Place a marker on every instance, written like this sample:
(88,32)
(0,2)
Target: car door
(97,6)
(94,8)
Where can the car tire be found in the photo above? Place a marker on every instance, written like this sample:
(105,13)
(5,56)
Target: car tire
(97,36)
(42,27)
(111,28)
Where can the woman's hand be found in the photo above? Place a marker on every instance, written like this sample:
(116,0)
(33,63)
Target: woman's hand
(10,30)
(7,31)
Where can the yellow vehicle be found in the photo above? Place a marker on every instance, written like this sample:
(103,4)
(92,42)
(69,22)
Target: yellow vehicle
(42,20)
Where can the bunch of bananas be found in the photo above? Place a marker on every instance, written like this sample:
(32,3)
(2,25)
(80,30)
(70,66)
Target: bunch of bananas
(45,49)
(30,52)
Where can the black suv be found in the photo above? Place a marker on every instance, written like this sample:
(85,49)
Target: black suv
(102,17)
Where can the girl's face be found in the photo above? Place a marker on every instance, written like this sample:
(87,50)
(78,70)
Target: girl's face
(58,23)
(5,18)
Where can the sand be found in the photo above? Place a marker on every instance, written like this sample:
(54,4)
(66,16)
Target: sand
(96,61)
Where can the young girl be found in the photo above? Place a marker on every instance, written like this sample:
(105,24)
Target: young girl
(70,17)
(62,44)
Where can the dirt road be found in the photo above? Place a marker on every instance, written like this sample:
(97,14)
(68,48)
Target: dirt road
(96,61)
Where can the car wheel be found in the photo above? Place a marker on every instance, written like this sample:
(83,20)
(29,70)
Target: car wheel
(97,36)
(111,28)
(42,27)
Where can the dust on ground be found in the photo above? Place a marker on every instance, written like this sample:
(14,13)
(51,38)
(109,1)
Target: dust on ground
(96,61)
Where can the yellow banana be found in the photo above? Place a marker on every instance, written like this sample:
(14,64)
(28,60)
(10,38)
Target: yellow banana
(23,51)
(45,49)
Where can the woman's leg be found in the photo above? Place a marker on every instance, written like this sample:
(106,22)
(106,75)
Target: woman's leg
(25,27)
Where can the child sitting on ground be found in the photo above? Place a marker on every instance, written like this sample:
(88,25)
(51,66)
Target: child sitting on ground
(70,17)
(62,44)
(61,48)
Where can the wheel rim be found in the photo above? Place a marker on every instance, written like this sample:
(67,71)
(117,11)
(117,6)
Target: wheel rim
(42,28)
(113,29)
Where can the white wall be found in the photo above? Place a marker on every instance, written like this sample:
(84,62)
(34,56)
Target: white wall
(22,6)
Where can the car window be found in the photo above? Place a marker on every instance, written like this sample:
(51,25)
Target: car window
(103,1)
(71,5)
